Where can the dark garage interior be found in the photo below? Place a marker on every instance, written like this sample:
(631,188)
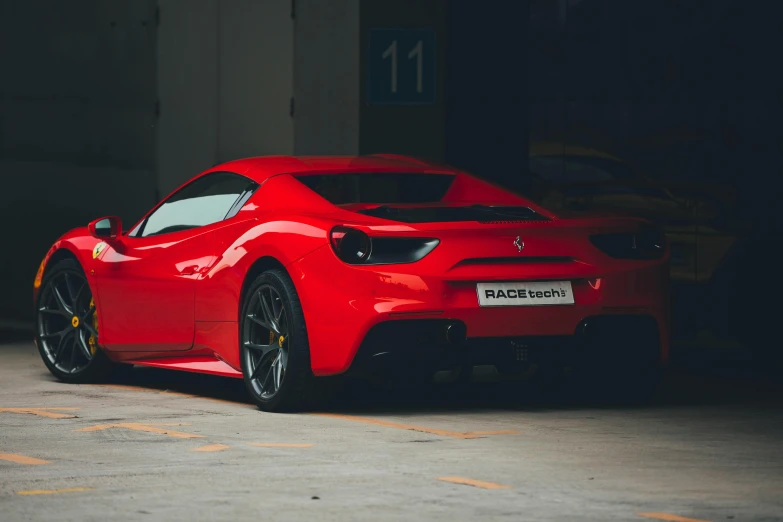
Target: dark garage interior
(662,110)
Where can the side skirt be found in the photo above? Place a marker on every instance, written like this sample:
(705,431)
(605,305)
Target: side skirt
(196,364)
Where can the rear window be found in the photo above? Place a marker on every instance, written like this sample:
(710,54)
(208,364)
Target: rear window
(383,188)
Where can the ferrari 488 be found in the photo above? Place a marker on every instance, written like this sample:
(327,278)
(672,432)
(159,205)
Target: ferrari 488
(281,270)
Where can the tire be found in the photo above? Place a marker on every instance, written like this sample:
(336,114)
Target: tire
(66,331)
(269,347)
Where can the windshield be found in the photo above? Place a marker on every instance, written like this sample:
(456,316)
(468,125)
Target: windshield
(382,188)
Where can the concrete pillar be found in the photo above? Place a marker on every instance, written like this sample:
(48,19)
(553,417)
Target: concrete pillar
(439,79)
(356,63)
(333,112)
(187,90)
(326,77)
(225,83)
(411,123)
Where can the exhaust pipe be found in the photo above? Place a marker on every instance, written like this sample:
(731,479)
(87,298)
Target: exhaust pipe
(456,333)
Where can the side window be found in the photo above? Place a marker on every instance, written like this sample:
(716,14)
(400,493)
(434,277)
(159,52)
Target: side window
(207,200)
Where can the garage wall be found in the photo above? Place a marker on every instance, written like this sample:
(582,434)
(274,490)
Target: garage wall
(256,67)
(76,125)
(187,90)
(114,103)
(79,81)
(417,130)
(225,80)
(487,100)
(326,77)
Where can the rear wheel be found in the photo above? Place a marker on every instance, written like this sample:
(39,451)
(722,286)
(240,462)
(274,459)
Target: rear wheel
(67,326)
(275,351)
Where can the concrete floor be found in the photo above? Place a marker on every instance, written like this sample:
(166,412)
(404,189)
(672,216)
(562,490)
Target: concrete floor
(170,446)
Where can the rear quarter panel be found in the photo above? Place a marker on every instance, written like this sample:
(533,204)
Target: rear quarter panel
(271,230)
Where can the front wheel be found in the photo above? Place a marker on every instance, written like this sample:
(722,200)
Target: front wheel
(67,326)
(275,351)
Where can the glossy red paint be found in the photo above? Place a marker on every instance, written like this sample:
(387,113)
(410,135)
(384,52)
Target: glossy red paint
(177,296)
(440,285)
(203,364)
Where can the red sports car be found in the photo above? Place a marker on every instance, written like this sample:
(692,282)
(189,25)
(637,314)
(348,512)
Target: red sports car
(281,270)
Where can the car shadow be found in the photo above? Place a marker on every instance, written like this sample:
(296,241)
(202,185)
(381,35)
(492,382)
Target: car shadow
(679,387)
(189,383)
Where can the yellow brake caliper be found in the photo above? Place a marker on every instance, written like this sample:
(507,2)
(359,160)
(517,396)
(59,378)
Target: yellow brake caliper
(92,341)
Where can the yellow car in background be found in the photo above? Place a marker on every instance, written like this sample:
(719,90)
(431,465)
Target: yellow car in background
(693,215)
(713,254)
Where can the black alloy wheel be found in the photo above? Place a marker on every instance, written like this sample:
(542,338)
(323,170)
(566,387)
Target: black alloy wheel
(66,329)
(266,341)
(274,347)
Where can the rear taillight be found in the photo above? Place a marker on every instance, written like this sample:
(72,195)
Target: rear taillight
(351,245)
(357,248)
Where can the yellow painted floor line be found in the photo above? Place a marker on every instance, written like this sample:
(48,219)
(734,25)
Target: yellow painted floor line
(52,491)
(21,459)
(669,517)
(475,483)
(279,445)
(149,428)
(178,394)
(211,447)
(433,431)
(50,413)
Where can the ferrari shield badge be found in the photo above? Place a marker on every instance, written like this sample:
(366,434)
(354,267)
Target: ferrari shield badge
(96,251)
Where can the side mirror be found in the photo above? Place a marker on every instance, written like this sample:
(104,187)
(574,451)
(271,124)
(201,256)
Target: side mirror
(106,228)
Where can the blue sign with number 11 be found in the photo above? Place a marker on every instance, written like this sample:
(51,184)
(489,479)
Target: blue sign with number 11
(401,67)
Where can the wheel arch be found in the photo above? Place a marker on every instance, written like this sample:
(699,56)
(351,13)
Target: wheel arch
(259,266)
(59,252)
(58,255)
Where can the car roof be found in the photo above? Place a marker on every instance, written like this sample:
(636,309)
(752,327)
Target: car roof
(263,167)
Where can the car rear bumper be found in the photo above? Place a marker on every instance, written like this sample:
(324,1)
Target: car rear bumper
(621,341)
(347,308)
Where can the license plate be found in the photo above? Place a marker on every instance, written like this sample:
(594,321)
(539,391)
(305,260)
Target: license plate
(538,293)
